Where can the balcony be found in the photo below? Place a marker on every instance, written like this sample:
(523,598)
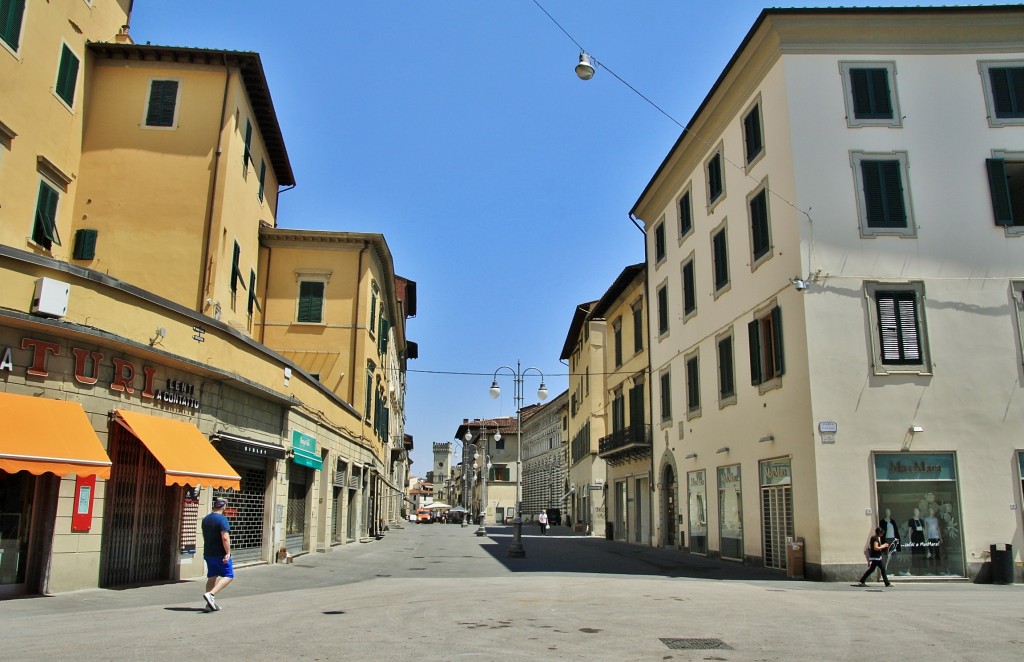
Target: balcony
(626,444)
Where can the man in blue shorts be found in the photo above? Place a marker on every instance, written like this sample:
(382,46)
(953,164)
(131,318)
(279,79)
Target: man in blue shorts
(217,553)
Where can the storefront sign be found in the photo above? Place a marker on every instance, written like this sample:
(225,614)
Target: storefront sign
(124,374)
(776,472)
(914,466)
(304,448)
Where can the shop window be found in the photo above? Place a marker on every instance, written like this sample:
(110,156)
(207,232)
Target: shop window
(697,499)
(730,513)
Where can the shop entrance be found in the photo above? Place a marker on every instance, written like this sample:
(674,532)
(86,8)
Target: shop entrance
(140,521)
(245,511)
(669,508)
(776,511)
(298,488)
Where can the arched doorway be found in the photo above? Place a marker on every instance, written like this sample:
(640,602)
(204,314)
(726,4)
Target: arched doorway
(668,507)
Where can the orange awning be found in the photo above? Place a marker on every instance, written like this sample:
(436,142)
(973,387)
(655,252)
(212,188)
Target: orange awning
(42,435)
(186,455)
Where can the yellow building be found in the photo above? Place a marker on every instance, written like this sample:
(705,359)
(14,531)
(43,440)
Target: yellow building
(138,195)
(626,449)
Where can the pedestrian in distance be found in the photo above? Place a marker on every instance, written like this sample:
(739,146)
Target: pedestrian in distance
(543,520)
(875,550)
(217,553)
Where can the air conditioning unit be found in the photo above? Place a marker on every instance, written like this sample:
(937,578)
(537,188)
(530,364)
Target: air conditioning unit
(50,298)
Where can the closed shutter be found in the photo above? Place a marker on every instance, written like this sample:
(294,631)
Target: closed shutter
(263,178)
(689,289)
(67,76)
(898,328)
(253,302)
(752,133)
(780,363)
(883,194)
(999,187)
(163,95)
(246,156)
(693,384)
(1007,91)
(685,214)
(759,224)
(721,255)
(754,336)
(11,12)
(871,98)
(714,178)
(726,379)
(311,295)
(44,232)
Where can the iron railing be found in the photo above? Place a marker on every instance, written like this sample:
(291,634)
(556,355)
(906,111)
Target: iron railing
(637,436)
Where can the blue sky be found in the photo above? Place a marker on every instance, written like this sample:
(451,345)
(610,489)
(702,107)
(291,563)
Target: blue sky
(459,130)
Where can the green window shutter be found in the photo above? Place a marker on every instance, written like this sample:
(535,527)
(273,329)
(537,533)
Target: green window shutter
(11,13)
(638,329)
(666,396)
(999,187)
(754,335)
(311,295)
(693,384)
(759,224)
(373,312)
(883,194)
(263,177)
(44,230)
(663,311)
(636,406)
(85,244)
(247,156)
(659,242)
(752,133)
(236,271)
(689,289)
(726,377)
(1007,91)
(67,76)
(253,302)
(871,94)
(721,256)
(163,95)
(780,362)
(685,214)
(369,394)
(714,177)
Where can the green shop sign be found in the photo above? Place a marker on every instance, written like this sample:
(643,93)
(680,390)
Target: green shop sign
(304,447)
(915,466)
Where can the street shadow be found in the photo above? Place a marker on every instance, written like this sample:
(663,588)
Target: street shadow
(565,551)
(202,610)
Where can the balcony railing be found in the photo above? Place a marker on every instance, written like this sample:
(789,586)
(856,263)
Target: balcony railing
(628,440)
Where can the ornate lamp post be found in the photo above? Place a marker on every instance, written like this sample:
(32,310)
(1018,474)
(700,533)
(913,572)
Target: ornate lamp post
(518,373)
(484,474)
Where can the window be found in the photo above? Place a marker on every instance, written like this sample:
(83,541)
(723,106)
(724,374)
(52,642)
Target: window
(1004,91)
(716,179)
(898,332)
(11,13)
(662,310)
(499,444)
(693,385)
(883,199)
(253,302)
(236,273)
(163,103)
(659,242)
(685,215)
(367,411)
(263,178)
(67,76)
(870,93)
(666,397)
(617,340)
(501,472)
(374,294)
(726,374)
(1006,185)
(638,327)
(1017,288)
(720,259)
(311,301)
(766,359)
(689,289)
(44,227)
(247,154)
(760,230)
(618,411)
(753,141)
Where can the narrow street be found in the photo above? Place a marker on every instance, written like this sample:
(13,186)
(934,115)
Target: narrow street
(439,592)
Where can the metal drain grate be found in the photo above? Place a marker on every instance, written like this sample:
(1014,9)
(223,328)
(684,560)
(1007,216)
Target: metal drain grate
(695,644)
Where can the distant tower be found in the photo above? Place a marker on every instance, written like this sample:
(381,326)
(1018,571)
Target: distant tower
(442,469)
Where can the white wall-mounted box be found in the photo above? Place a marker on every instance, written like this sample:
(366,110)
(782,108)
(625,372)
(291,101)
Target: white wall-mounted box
(50,298)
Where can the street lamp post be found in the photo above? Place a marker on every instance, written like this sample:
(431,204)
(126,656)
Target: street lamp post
(518,373)
(484,475)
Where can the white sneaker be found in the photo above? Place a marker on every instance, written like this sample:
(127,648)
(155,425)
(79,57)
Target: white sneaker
(211,603)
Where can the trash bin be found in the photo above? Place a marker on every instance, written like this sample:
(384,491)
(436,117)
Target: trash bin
(609,530)
(795,558)
(1002,564)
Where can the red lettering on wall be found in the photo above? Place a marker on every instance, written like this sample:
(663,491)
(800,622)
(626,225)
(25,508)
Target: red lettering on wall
(147,390)
(124,373)
(40,348)
(81,356)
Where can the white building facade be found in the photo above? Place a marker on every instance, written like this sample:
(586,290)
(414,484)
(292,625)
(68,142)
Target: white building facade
(836,269)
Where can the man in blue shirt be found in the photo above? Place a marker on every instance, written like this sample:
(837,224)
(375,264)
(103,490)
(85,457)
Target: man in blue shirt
(217,553)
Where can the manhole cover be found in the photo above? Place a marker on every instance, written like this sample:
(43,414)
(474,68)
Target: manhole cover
(695,644)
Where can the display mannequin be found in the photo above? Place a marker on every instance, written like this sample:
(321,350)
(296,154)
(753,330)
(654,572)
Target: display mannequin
(934,537)
(916,529)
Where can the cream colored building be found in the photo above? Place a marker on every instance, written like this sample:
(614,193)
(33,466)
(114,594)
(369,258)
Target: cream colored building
(626,448)
(496,441)
(545,467)
(836,272)
(138,197)
(584,350)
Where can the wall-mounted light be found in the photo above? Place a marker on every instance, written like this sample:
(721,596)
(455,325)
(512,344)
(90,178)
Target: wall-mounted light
(800,284)
(908,438)
(766,439)
(723,449)
(691,456)
(915,429)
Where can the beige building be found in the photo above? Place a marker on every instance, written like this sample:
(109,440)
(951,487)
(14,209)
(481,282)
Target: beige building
(584,350)
(142,318)
(491,447)
(626,449)
(836,272)
(545,460)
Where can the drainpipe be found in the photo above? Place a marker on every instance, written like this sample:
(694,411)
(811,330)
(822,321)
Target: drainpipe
(205,267)
(650,390)
(355,327)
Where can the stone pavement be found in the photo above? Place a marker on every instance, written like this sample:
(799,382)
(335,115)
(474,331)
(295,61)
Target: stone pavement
(438,592)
